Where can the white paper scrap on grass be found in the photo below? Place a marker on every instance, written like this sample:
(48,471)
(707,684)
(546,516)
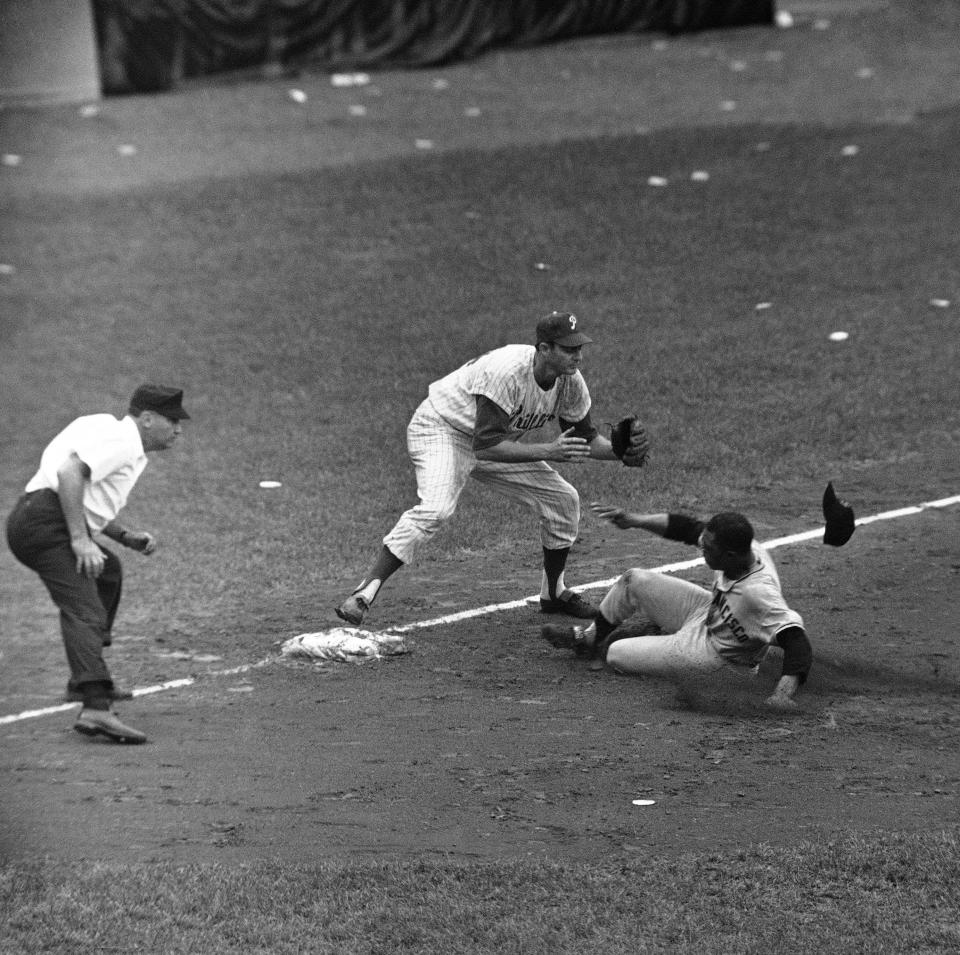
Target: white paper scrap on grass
(349,79)
(344,643)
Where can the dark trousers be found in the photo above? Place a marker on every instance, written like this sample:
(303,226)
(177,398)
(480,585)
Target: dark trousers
(40,539)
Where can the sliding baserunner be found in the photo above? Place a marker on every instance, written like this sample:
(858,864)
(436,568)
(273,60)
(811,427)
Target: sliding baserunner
(728,627)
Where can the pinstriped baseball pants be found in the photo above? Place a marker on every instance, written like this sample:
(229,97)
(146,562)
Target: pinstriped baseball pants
(443,460)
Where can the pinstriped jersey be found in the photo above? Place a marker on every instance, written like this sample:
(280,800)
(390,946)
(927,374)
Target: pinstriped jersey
(505,376)
(746,614)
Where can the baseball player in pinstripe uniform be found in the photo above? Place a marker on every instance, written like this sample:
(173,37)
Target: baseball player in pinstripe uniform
(729,627)
(470,425)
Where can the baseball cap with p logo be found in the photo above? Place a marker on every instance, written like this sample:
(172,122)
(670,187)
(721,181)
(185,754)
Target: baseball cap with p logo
(561,328)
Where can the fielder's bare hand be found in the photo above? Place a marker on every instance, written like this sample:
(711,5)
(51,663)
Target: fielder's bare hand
(568,448)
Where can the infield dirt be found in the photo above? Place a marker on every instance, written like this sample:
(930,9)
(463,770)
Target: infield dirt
(483,741)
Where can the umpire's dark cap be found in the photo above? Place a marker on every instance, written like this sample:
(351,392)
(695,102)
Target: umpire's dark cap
(561,328)
(161,399)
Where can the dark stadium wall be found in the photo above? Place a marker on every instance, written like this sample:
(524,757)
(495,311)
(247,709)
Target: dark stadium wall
(149,45)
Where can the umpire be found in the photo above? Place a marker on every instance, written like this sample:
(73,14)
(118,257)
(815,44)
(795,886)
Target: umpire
(86,474)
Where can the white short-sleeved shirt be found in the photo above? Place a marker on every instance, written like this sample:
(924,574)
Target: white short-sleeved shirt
(746,614)
(505,376)
(112,449)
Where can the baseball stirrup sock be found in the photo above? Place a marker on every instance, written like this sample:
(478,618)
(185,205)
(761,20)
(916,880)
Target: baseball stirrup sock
(602,627)
(552,592)
(369,590)
(554,562)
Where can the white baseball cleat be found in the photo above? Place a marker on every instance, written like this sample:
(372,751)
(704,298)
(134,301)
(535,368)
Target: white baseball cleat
(353,609)
(106,723)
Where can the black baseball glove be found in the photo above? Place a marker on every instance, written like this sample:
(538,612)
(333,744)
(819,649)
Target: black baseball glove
(838,515)
(630,441)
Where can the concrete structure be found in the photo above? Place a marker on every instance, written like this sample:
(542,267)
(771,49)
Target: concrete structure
(48,52)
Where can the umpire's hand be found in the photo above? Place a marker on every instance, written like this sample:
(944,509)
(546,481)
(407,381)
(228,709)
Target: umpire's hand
(142,541)
(90,559)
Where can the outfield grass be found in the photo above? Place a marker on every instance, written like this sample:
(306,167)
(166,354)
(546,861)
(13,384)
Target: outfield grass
(886,896)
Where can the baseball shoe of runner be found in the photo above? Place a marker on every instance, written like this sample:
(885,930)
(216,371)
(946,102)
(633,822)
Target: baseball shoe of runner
(106,723)
(578,639)
(353,609)
(571,604)
(582,640)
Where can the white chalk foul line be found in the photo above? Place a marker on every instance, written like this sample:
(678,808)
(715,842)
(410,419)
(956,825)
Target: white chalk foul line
(673,568)
(511,605)
(63,707)
(139,691)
